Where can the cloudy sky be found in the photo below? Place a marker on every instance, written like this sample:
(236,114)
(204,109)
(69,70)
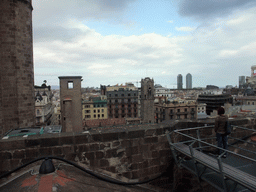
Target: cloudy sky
(117,41)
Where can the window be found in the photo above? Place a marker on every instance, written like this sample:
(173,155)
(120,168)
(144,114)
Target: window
(94,116)
(129,94)
(171,111)
(98,115)
(98,110)
(116,95)
(70,85)
(122,95)
(116,100)
(102,110)
(253,103)
(192,109)
(178,110)
(186,109)
(248,103)
(186,116)
(109,95)
(102,115)
(134,94)
(178,116)
(94,111)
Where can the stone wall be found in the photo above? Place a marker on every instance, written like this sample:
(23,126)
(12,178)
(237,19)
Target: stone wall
(16,61)
(87,124)
(135,152)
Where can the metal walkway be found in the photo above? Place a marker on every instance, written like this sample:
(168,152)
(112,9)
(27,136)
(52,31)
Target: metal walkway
(194,152)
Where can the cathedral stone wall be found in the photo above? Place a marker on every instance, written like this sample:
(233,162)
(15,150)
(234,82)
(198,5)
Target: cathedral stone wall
(17,73)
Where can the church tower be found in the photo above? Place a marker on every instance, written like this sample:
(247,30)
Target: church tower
(17,104)
(147,100)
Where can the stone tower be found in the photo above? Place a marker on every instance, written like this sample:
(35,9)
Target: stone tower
(71,103)
(147,100)
(17,107)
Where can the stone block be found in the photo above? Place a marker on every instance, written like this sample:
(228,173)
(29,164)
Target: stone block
(160,131)
(19,154)
(45,151)
(57,151)
(32,143)
(111,169)
(136,134)
(126,143)
(68,149)
(151,139)
(66,140)
(97,137)
(111,153)
(165,153)
(104,163)
(150,132)
(109,137)
(89,155)
(99,154)
(32,153)
(51,141)
(127,175)
(5,155)
(137,158)
(94,147)
(12,144)
(81,139)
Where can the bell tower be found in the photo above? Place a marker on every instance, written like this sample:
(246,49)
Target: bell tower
(147,100)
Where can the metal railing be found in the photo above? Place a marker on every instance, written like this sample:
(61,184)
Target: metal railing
(201,139)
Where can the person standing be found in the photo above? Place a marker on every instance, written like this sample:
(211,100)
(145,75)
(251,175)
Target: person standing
(220,129)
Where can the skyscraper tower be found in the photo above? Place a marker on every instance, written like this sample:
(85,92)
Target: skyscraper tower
(188,81)
(179,81)
(147,100)
(17,105)
(241,82)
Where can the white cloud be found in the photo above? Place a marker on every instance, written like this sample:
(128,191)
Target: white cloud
(170,21)
(186,29)
(218,51)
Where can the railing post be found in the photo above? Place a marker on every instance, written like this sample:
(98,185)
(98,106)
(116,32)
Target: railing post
(199,139)
(194,161)
(221,171)
(174,154)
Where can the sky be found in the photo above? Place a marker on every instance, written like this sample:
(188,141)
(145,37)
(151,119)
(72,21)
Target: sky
(110,42)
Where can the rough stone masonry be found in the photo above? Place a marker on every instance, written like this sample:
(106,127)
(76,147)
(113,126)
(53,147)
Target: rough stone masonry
(17,73)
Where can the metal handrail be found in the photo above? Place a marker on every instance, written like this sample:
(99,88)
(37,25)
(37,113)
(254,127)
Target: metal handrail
(214,146)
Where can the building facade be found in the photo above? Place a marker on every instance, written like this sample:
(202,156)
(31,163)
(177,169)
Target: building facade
(213,102)
(179,82)
(147,100)
(188,81)
(175,111)
(44,109)
(71,103)
(95,108)
(17,104)
(122,103)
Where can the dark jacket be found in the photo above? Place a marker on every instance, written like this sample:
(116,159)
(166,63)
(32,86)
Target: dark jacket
(220,124)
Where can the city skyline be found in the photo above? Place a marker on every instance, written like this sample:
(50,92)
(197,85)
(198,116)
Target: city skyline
(110,42)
